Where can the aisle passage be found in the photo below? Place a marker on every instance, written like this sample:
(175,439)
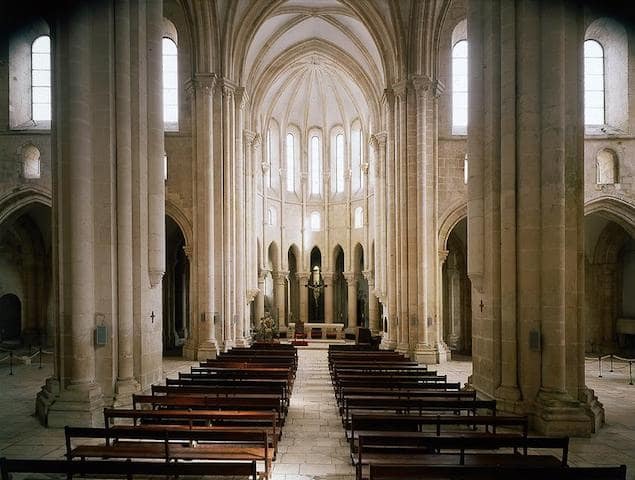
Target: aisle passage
(313,443)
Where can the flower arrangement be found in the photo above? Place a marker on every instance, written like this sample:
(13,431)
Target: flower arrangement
(266,330)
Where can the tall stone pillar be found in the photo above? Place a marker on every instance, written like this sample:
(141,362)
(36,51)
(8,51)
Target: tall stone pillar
(260,297)
(126,383)
(303,278)
(390,339)
(351,280)
(80,397)
(328,296)
(239,211)
(525,211)
(202,343)
(156,149)
(278,282)
(373,318)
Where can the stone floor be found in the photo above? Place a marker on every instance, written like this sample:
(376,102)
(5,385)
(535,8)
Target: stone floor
(313,444)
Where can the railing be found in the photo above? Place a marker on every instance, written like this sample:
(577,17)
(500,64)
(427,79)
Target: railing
(10,357)
(612,360)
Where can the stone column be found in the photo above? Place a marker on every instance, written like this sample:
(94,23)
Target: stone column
(239,192)
(390,340)
(202,343)
(278,281)
(260,297)
(80,399)
(328,296)
(303,278)
(373,319)
(156,149)
(229,277)
(351,280)
(526,155)
(126,383)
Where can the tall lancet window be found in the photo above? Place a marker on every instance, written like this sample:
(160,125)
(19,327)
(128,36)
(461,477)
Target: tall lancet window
(41,79)
(170,85)
(357,178)
(339,163)
(316,166)
(593,83)
(290,162)
(269,158)
(459,88)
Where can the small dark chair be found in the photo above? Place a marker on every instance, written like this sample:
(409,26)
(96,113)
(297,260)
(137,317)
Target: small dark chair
(299,330)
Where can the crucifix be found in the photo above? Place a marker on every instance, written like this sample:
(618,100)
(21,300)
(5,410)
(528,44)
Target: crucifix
(482,305)
(152,315)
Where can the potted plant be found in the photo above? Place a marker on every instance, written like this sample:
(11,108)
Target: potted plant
(266,330)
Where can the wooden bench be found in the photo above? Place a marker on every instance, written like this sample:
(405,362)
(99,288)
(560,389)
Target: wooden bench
(210,402)
(99,469)
(394,385)
(197,420)
(408,406)
(223,390)
(417,390)
(425,449)
(170,445)
(434,425)
(346,397)
(501,472)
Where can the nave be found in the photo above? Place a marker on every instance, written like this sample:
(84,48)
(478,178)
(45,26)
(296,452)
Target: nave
(313,444)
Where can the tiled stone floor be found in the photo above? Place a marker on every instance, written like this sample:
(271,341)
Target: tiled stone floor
(313,444)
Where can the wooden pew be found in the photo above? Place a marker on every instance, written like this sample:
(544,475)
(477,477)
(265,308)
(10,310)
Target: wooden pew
(393,385)
(170,445)
(231,390)
(99,469)
(501,472)
(209,402)
(197,420)
(434,425)
(405,394)
(414,406)
(424,449)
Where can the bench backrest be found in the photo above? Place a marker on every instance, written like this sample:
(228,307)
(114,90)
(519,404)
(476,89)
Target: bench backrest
(469,472)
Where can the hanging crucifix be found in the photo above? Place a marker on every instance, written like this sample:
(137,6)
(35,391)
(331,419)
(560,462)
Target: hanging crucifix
(316,284)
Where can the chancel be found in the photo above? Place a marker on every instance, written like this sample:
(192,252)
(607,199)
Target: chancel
(452,178)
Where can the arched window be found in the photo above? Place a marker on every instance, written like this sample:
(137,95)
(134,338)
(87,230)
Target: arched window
(30,156)
(593,83)
(41,79)
(290,162)
(170,85)
(359,217)
(339,163)
(316,166)
(459,87)
(272,175)
(315,221)
(465,169)
(269,158)
(272,216)
(606,167)
(356,157)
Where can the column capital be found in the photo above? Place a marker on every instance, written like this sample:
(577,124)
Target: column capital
(438,88)
(350,276)
(400,89)
(187,249)
(251,293)
(257,140)
(249,137)
(369,275)
(443,255)
(279,276)
(226,87)
(242,97)
(201,82)
(422,84)
(388,98)
(302,277)
(382,138)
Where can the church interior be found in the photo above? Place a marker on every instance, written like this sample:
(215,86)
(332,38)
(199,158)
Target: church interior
(456,177)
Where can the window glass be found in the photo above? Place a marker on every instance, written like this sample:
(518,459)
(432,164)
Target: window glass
(41,79)
(459,87)
(593,83)
(170,83)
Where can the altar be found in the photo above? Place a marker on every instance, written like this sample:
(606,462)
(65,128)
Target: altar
(327,330)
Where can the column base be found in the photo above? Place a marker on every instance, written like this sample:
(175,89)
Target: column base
(432,353)
(123,392)
(387,344)
(241,342)
(559,414)
(45,398)
(80,404)
(190,350)
(207,350)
